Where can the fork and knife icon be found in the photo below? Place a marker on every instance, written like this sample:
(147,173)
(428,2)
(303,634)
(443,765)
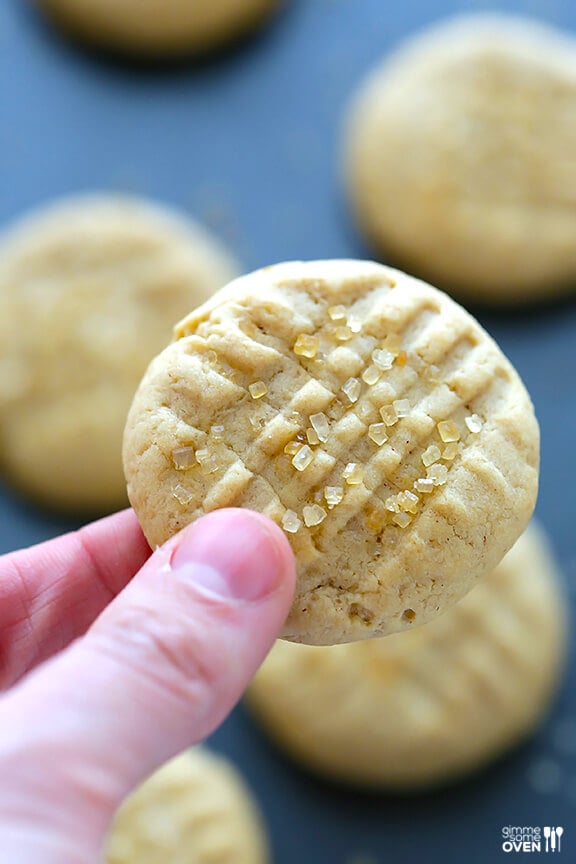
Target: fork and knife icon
(553,838)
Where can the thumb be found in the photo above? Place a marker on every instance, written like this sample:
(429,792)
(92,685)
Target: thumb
(157,672)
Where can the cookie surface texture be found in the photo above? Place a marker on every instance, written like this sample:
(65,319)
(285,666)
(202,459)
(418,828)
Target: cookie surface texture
(158,28)
(459,158)
(90,289)
(424,707)
(195,810)
(362,410)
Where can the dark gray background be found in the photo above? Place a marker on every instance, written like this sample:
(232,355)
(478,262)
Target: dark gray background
(248,143)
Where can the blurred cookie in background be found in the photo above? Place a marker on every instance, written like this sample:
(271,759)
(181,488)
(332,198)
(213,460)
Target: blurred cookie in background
(158,28)
(197,809)
(90,289)
(426,706)
(459,158)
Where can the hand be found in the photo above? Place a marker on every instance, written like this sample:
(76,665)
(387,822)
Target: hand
(147,666)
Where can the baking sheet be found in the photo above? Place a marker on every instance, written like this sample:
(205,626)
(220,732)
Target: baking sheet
(248,142)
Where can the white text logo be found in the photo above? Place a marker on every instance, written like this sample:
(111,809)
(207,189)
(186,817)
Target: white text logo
(532,838)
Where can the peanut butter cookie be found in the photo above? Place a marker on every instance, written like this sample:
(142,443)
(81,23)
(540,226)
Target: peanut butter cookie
(427,706)
(89,291)
(158,28)
(459,158)
(197,809)
(361,409)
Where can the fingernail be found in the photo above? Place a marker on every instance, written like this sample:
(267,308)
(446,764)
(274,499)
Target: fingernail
(232,554)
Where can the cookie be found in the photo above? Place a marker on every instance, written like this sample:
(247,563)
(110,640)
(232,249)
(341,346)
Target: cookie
(459,158)
(150,28)
(89,291)
(197,809)
(424,707)
(362,410)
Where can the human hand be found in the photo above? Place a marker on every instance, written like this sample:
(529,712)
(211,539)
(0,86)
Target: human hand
(147,666)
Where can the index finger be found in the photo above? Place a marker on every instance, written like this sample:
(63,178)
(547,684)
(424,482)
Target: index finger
(51,593)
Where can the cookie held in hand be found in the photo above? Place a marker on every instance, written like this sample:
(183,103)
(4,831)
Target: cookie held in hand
(361,409)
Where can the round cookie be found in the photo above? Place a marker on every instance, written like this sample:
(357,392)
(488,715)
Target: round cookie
(430,705)
(158,28)
(195,810)
(89,291)
(459,158)
(361,409)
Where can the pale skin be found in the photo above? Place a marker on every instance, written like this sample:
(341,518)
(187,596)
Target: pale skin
(113,659)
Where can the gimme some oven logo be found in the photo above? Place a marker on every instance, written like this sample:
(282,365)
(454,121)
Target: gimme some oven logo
(532,838)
